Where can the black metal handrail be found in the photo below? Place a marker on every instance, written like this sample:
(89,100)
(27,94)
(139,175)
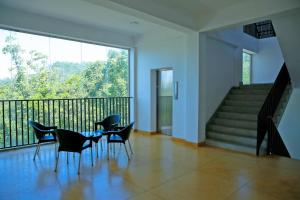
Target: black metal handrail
(265,116)
(73,114)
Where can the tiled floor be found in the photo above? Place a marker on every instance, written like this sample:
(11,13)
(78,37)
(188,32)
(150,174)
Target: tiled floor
(159,169)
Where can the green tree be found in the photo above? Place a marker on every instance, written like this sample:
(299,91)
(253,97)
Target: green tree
(20,83)
(116,73)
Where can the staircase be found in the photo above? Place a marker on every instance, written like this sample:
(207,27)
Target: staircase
(234,124)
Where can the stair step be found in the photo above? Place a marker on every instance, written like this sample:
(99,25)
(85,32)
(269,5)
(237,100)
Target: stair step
(232,130)
(250,91)
(233,115)
(234,147)
(243,141)
(230,146)
(236,123)
(243,103)
(236,109)
(240,97)
(257,86)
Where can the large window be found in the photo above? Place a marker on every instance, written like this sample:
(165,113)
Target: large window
(39,67)
(247,63)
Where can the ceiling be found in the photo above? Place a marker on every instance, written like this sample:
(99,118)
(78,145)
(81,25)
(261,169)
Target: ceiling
(85,13)
(138,17)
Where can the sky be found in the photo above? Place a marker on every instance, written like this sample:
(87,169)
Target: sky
(55,49)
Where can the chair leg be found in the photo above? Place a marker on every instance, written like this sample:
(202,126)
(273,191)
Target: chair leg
(79,164)
(55,170)
(126,151)
(92,155)
(130,147)
(55,148)
(36,150)
(101,144)
(107,146)
(96,144)
(114,149)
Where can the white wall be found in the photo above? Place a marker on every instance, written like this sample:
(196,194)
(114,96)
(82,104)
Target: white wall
(288,30)
(223,65)
(289,127)
(267,63)
(220,73)
(179,52)
(237,37)
(154,52)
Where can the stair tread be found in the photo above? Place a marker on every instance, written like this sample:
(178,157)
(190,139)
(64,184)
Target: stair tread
(231,146)
(234,125)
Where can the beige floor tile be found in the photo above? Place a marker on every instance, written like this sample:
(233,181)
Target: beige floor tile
(159,169)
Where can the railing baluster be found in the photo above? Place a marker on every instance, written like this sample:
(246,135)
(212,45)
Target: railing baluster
(3,121)
(22,127)
(59,121)
(73,119)
(27,119)
(89,114)
(93,117)
(48,111)
(77,122)
(64,113)
(33,138)
(84,105)
(81,113)
(96,109)
(16,124)
(53,113)
(68,102)
(43,111)
(9,114)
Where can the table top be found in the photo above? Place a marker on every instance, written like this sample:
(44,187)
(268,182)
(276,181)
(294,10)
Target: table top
(94,135)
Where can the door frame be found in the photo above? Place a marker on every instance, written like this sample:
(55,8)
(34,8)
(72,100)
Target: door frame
(154,101)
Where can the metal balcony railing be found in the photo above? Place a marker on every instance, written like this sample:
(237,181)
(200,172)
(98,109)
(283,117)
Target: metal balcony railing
(73,114)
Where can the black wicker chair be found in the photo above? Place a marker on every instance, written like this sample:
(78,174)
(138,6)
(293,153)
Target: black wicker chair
(43,134)
(70,141)
(120,136)
(107,124)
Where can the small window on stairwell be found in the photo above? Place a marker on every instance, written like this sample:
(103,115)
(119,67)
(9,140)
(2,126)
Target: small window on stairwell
(247,63)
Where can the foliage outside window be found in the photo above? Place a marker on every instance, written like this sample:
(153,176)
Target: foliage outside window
(44,73)
(246,77)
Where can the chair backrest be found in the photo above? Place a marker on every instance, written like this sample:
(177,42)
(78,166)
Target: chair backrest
(110,122)
(69,140)
(37,128)
(125,132)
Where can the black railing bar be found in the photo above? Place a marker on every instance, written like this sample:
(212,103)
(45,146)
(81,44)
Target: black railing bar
(62,99)
(68,114)
(22,125)
(9,117)
(16,123)
(3,121)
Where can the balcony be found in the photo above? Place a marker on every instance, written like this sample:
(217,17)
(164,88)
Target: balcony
(72,114)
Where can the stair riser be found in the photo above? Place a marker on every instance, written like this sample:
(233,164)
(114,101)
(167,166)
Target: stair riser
(249,92)
(243,141)
(228,115)
(243,103)
(247,97)
(237,124)
(234,147)
(233,131)
(256,87)
(245,110)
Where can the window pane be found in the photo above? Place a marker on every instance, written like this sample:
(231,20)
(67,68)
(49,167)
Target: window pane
(246,68)
(39,67)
